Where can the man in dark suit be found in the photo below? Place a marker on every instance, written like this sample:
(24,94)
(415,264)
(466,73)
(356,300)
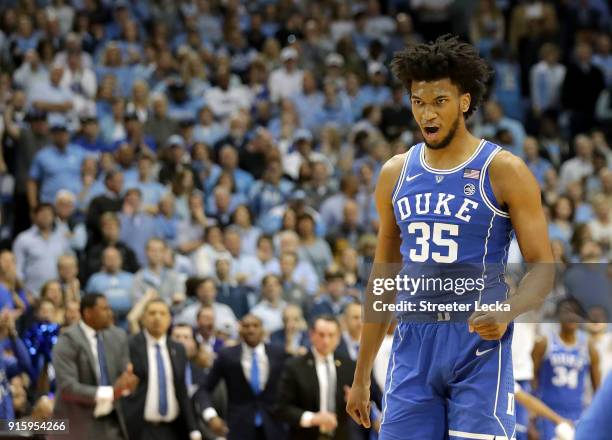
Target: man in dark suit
(159,408)
(110,201)
(312,388)
(228,291)
(349,347)
(110,229)
(293,337)
(251,371)
(195,380)
(92,370)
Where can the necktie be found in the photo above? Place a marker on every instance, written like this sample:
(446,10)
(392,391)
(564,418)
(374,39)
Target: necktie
(161,382)
(102,361)
(331,387)
(188,376)
(255,384)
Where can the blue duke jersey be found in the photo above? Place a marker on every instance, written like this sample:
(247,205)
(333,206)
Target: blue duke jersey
(561,379)
(452,217)
(444,382)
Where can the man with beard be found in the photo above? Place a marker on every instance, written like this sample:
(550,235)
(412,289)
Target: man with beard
(452,199)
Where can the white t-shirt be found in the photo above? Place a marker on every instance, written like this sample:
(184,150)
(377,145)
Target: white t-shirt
(523,341)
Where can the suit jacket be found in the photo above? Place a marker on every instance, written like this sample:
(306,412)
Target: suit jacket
(200,397)
(134,405)
(280,339)
(298,392)
(77,382)
(242,402)
(236,297)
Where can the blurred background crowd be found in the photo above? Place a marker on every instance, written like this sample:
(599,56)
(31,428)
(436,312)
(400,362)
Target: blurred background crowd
(222,155)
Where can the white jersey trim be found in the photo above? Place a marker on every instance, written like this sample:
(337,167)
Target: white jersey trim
(400,181)
(499,362)
(483,194)
(452,170)
(390,382)
(476,436)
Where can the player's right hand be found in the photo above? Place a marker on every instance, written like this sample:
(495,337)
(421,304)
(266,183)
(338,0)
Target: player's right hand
(358,404)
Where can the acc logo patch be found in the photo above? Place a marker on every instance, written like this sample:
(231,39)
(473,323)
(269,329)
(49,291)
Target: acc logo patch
(469,189)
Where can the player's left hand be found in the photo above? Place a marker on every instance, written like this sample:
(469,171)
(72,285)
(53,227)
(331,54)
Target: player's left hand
(358,404)
(489,325)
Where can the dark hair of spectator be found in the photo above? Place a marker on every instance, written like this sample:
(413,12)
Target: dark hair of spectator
(553,211)
(324,317)
(209,229)
(202,308)
(447,57)
(133,191)
(580,235)
(192,284)
(332,275)
(265,279)
(110,175)
(573,304)
(249,212)
(305,216)
(155,301)
(184,325)
(89,301)
(264,237)
(109,216)
(42,206)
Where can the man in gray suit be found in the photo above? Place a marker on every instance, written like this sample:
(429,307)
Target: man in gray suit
(91,360)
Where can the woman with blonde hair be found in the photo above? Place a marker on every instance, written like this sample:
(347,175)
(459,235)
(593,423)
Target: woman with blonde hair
(139,102)
(52,291)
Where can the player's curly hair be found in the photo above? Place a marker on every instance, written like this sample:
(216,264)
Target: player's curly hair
(447,57)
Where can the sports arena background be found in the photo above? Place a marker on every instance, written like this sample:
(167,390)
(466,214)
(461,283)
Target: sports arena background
(248,137)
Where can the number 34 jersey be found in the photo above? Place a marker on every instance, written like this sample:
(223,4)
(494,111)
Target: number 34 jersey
(450,220)
(562,375)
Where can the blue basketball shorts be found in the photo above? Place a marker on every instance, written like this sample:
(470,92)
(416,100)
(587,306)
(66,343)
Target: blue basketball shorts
(522,415)
(446,383)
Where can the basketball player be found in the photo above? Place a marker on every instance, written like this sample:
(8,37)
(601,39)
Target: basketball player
(561,364)
(452,199)
(564,429)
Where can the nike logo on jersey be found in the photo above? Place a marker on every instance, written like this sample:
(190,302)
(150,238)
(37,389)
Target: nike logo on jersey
(409,178)
(480,353)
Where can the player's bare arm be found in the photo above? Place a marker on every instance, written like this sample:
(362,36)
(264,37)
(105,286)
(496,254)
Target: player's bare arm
(539,408)
(517,191)
(373,333)
(537,354)
(595,370)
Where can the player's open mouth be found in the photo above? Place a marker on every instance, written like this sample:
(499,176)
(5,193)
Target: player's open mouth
(430,132)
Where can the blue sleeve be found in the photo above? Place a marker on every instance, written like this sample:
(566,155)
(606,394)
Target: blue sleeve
(90,287)
(6,299)
(79,237)
(23,358)
(36,169)
(255,199)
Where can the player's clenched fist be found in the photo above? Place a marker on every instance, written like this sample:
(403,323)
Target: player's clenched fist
(358,404)
(489,325)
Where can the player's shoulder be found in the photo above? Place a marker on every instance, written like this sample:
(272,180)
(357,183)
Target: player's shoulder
(505,161)
(392,168)
(390,174)
(396,162)
(506,168)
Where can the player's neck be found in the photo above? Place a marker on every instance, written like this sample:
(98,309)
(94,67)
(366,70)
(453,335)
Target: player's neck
(568,336)
(460,148)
